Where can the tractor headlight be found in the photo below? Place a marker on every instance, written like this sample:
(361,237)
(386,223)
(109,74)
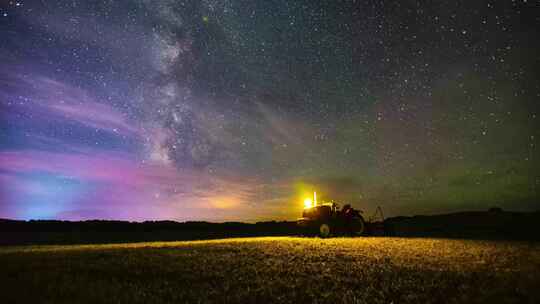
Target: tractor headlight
(308,203)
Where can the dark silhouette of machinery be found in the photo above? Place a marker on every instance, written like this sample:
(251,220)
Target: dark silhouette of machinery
(329,219)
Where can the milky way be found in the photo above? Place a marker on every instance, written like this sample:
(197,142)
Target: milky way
(235,110)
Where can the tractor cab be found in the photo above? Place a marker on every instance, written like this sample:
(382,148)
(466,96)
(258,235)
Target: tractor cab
(320,212)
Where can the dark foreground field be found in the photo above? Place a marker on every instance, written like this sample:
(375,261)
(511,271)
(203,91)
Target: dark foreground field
(275,269)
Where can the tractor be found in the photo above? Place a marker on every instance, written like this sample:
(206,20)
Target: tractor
(327,219)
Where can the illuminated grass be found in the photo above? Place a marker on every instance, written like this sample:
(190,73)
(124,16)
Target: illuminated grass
(284,269)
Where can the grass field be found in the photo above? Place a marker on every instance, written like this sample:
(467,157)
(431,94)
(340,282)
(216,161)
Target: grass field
(275,269)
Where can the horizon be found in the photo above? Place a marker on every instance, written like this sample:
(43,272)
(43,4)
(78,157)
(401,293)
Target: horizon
(270,220)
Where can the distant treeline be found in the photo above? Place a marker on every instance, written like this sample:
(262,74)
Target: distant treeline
(493,224)
(125,226)
(100,231)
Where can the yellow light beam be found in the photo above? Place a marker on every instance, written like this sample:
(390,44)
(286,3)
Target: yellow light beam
(308,203)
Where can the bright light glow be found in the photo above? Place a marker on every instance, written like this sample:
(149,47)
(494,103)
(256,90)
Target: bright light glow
(308,203)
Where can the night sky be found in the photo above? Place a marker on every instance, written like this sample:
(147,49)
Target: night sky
(236,110)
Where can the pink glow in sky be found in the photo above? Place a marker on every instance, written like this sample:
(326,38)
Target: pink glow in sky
(51,177)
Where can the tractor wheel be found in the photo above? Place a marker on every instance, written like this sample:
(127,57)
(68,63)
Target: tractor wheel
(358,227)
(324,230)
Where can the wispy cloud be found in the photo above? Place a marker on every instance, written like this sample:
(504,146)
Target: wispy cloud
(41,98)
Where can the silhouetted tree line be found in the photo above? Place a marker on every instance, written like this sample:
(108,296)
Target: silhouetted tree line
(98,231)
(124,226)
(492,224)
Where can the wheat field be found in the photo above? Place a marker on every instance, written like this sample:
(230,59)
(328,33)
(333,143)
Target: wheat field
(275,270)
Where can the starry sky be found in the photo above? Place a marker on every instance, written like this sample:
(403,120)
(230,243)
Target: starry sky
(236,110)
